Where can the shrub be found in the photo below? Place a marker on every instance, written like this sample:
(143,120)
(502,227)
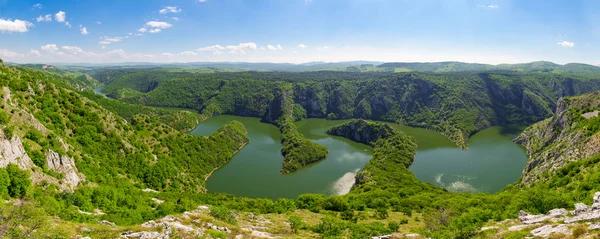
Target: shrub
(4,117)
(223,214)
(19,181)
(295,223)
(394,226)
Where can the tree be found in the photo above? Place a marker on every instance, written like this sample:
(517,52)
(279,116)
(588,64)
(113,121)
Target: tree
(4,182)
(19,181)
(295,223)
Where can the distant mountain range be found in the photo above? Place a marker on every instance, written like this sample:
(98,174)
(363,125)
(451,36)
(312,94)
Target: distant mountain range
(349,66)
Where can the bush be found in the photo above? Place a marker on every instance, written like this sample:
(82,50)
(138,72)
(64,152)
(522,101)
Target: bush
(19,181)
(9,132)
(295,223)
(4,118)
(330,227)
(394,226)
(223,214)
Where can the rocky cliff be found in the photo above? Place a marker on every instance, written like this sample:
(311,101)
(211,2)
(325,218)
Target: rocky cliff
(567,136)
(66,166)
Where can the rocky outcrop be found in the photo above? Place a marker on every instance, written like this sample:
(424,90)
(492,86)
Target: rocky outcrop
(66,166)
(557,222)
(554,142)
(12,151)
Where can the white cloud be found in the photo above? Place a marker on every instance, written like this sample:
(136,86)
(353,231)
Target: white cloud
(14,26)
(307,1)
(75,50)
(60,16)
(242,47)
(38,6)
(201,0)
(167,54)
(9,53)
(156,30)
(274,48)
(68,24)
(301,46)
(175,18)
(323,48)
(109,40)
(492,6)
(83,30)
(568,44)
(216,49)
(142,30)
(160,25)
(166,10)
(98,22)
(46,18)
(138,34)
(188,53)
(50,48)
(35,53)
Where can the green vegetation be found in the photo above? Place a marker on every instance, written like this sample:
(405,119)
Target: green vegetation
(297,151)
(457,104)
(120,158)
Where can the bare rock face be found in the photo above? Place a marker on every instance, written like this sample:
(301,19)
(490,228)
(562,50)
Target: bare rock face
(12,151)
(64,165)
(547,230)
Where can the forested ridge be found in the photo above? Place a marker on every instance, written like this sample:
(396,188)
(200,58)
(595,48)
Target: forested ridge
(135,167)
(457,104)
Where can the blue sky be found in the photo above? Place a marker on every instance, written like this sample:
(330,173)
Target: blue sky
(485,31)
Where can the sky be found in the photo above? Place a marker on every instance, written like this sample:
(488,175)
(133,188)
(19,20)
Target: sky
(297,31)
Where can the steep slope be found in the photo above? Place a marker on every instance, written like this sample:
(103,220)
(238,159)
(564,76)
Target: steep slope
(67,140)
(572,134)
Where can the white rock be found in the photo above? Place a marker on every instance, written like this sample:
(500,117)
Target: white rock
(105,222)
(560,212)
(64,165)
(202,207)
(12,151)
(580,208)
(546,230)
(261,234)
(157,201)
(149,190)
(594,226)
(597,197)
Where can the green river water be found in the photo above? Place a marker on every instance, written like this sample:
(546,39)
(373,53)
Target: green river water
(491,163)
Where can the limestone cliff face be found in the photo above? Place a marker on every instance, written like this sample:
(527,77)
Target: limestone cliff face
(554,142)
(66,166)
(12,151)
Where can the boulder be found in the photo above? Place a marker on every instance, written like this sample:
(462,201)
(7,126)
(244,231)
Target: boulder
(580,208)
(560,212)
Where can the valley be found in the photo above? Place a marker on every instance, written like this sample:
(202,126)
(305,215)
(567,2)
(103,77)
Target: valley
(221,152)
(491,163)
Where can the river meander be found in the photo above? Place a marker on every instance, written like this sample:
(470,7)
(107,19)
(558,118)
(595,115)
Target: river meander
(491,163)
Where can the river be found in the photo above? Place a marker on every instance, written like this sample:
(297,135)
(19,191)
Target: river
(491,163)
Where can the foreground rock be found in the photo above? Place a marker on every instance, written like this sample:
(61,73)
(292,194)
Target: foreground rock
(557,223)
